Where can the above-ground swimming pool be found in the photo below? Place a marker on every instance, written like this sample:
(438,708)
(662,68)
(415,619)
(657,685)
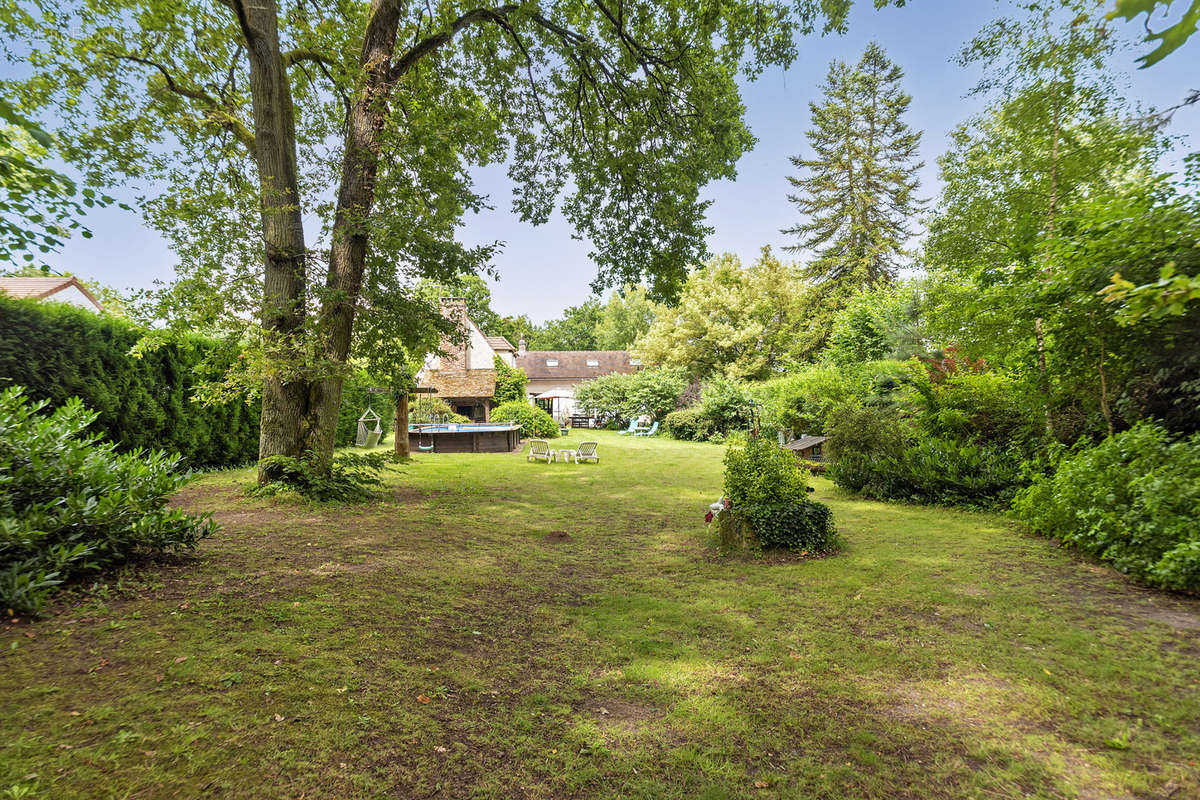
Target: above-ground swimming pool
(466,437)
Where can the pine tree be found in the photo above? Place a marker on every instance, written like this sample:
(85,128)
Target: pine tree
(859,190)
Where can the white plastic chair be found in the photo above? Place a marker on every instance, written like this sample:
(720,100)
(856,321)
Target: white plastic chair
(539,450)
(587,452)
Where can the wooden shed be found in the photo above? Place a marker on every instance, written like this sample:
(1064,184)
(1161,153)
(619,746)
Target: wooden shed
(809,448)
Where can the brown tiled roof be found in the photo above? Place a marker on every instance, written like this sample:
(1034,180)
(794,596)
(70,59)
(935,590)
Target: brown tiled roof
(462,383)
(573,364)
(40,288)
(499,343)
(805,442)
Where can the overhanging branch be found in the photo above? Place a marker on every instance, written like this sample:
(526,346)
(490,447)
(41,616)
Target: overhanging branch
(430,44)
(214,111)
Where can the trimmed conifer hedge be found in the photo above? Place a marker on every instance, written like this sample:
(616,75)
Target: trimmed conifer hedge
(57,352)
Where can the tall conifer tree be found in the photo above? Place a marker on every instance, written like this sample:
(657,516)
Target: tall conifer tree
(857,192)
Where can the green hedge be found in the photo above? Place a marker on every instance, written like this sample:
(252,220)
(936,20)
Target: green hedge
(58,352)
(1132,501)
(535,423)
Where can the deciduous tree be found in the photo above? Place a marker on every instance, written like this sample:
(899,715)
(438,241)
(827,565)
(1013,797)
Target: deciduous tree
(367,116)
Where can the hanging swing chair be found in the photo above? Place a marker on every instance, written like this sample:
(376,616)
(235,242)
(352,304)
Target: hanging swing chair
(368,437)
(421,445)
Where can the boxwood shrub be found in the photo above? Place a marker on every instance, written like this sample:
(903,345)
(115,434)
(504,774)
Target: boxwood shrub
(534,422)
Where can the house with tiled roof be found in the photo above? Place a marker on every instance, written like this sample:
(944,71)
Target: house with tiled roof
(465,375)
(55,288)
(553,374)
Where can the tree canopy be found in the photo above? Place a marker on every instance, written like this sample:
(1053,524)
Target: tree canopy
(349,130)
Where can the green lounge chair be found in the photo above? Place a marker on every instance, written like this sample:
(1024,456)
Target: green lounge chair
(633,427)
(653,429)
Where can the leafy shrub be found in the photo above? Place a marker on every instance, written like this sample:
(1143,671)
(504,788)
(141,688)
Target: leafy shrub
(807,525)
(428,408)
(350,478)
(70,505)
(858,431)
(801,402)
(726,403)
(975,407)
(620,398)
(510,382)
(689,425)
(655,392)
(606,398)
(935,471)
(534,421)
(767,493)
(873,452)
(355,400)
(760,472)
(56,352)
(1133,501)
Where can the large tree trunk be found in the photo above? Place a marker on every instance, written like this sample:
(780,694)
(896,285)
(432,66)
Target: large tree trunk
(401,435)
(356,196)
(284,401)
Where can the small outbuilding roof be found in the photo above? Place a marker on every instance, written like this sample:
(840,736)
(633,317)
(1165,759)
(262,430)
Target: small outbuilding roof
(805,442)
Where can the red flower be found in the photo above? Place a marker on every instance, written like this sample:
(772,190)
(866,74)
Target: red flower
(727,503)
(708,517)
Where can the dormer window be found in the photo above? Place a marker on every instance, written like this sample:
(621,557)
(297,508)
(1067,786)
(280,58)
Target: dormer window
(551,362)
(593,362)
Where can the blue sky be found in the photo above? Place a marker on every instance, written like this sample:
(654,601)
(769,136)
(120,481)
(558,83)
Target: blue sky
(543,269)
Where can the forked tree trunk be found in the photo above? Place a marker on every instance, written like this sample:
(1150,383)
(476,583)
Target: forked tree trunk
(356,196)
(285,402)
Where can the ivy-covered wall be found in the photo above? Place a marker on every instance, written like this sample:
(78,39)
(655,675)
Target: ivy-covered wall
(57,352)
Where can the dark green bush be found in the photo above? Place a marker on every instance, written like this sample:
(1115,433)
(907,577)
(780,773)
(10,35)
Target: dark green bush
(689,425)
(767,492)
(935,471)
(70,505)
(876,453)
(1133,501)
(351,478)
(807,525)
(58,352)
(535,423)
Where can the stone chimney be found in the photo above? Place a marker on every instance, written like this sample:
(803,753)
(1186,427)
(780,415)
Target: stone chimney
(455,358)
(521,345)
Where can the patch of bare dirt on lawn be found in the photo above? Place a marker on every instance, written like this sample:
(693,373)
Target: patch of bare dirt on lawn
(970,701)
(622,715)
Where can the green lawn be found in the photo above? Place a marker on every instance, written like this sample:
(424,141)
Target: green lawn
(450,643)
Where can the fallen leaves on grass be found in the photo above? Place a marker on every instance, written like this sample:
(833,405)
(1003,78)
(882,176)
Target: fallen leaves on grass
(422,699)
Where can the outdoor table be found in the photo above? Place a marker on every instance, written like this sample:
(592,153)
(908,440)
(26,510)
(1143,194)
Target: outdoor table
(563,455)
